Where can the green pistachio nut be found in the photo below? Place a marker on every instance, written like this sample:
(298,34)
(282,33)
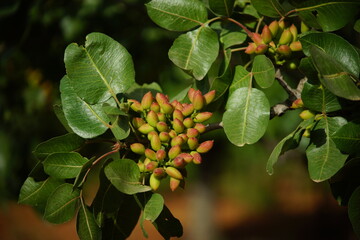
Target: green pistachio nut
(150,154)
(294,32)
(188,109)
(298,103)
(183,136)
(162,127)
(307,133)
(296,46)
(204,147)
(192,132)
(266,34)
(137,122)
(197,159)
(304,27)
(172,133)
(166,108)
(202,117)
(261,49)
(198,100)
(174,151)
(161,117)
(188,122)
(200,127)
(186,156)
(284,50)
(154,182)
(178,126)
(174,183)
(177,114)
(209,97)
(159,172)
(274,28)
(286,37)
(152,118)
(155,107)
(164,137)
(151,134)
(177,105)
(161,99)
(151,166)
(146,128)
(191,93)
(174,173)
(147,100)
(141,166)
(193,143)
(177,141)
(160,155)
(256,37)
(135,106)
(179,162)
(306,114)
(137,148)
(155,142)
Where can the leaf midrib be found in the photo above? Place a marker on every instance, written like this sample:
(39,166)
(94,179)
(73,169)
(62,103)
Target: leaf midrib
(37,190)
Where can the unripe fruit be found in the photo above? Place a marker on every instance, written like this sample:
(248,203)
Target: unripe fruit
(304,27)
(147,161)
(151,166)
(266,34)
(174,173)
(155,107)
(166,108)
(154,182)
(262,48)
(281,26)
(160,155)
(183,136)
(204,147)
(146,128)
(296,46)
(141,166)
(161,99)
(172,134)
(306,114)
(155,142)
(292,64)
(192,132)
(202,117)
(151,134)
(272,45)
(294,32)
(188,122)
(188,109)
(198,100)
(152,118)
(150,154)
(136,106)
(174,183)
(161,117)
(191,93)
(274,28)
(298,103)
(177,105)
(162,127)
(147,100)
(137,122)
(197,159)
(286,37)
(257,38)
(174,151)
(137,148)
(186,156)
(209,97)
(179,162)
(178,126)
(177,141)
(193,143)
(200,127)
(159,172)
(307,133)
(177,114)
(284,50)
(250,49)
(164,137)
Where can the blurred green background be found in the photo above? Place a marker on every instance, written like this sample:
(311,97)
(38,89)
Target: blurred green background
(230,196)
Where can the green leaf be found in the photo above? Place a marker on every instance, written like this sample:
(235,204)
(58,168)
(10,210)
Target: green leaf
(222,7)
(232,37)
(120,127)
(263,71)
(269,8)
(177,15)
(62,204)
(318,98)
(333,76)
(167,225)
(138,91)
(347,138)
(354,211)
(87,121)
(246,117)
(61,116)
(324,159)
(124,174)
(65,143)
(330,15)
(113,110)
(242,78)
(195,51)
(87,228)
(357,26)
(64,165)
(81,177)
(223,79)
(36,193)
(101,69)
(153,207)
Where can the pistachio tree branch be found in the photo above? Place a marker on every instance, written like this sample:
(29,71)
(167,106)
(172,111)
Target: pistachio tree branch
(213,126)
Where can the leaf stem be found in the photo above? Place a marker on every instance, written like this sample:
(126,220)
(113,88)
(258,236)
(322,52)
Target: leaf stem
(238,49)
(258,24)
(248,32)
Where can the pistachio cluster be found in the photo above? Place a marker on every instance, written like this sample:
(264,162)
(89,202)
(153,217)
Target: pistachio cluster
(169,134)
(275,38)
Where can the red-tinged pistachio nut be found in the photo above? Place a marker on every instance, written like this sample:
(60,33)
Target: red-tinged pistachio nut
(200,127)
(164,137)
(162,127)
(274,28)
(150,154)
(192,132)
(174,173)
(188,122)
(188,109)
(137,148)
(152,118)
(296,46)
(155,107)
(272,44)
(147,161)
(154,182)
(184,137)
(151,166)
(174,151)
(174,183)
(160,155)
(177,141)
(177,105)
(159,172)
(161,117)
(191,93)
(262,48)
(306,114)
(166,108)
(141,166)
(178,126)
(193,143)
(294,32)
(284,50)
(266,34)
(147,100)
(209,97)
(197,159)
(256,37)
(135,106)
(179,162)
(151,134)
(281,25)
(250,49)
(186,156)
(155,142)
(298,103)
(286,37)
(146,128)
(137,122)
(172,133)
(198,100)
(161,98)
(177,114)
(204,147)
(202,117)
(304,27)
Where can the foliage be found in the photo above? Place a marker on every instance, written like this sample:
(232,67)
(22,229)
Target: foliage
(154,137)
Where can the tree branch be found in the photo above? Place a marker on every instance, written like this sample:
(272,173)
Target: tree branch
(213,126)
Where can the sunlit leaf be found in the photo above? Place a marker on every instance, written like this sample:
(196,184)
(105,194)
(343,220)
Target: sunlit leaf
(223,79)
(86,226)
(347,138)
(242,78)
(153,207)
(263,71)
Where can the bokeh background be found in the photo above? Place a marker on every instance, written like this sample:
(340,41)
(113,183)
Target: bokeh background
(229,196)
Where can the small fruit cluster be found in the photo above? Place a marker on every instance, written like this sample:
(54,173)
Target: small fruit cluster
(275,38)
(169,135)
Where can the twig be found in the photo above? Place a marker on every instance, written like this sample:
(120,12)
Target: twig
(293,93)
(213,126)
